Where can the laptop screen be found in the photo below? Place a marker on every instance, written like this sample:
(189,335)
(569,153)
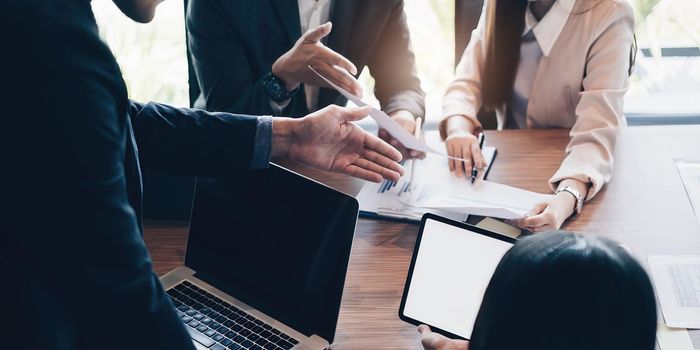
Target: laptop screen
(277,241)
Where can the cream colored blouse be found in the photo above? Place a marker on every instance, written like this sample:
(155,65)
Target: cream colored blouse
(580,83)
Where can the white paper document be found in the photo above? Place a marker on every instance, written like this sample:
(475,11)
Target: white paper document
(437,190)
(690,174)
(385,122)
(673,338)
(677,282)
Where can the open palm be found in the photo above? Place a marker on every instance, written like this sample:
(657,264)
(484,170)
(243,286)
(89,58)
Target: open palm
(329,141)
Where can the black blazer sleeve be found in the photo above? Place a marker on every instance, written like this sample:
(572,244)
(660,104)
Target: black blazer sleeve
(229,76)
(81,276)
(393,66)
(188,141)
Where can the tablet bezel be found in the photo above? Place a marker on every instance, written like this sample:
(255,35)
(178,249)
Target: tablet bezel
(409,277)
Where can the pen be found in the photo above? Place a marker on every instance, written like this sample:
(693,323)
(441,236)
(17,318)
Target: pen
(475,171)
(413,161)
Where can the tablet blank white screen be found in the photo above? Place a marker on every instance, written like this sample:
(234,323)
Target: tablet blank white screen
(451,272)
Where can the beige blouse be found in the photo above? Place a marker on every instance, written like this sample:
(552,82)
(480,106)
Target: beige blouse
(579,84)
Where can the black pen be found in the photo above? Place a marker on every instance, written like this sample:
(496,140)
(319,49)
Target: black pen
(475,171)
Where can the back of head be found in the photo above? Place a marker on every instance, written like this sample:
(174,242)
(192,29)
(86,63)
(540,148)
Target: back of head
(564,291)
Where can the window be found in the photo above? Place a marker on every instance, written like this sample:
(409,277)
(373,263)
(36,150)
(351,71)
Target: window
(663,89)
(666,83)
(152,56)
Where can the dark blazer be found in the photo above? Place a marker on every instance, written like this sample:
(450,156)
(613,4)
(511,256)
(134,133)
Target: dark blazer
(233,44)
(75,269)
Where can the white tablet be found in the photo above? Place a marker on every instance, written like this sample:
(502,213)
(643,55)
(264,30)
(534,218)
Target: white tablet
(452,264)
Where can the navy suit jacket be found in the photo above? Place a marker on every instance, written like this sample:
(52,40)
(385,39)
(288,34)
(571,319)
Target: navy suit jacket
(233,44)
(75,271)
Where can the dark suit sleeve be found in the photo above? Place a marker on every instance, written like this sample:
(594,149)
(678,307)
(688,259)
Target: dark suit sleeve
(393,67)
(223,68)
(87,276)
(188,141)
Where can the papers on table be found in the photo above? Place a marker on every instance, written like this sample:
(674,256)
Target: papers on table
(690,174)
(437,190)
(673,338)
(677,282)
(385,122)
(486,198)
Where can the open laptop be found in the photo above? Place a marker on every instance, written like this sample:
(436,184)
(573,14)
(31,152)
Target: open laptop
(266,261)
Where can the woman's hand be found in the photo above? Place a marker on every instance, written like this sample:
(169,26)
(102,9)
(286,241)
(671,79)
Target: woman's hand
(462,143)
(551,214)
(434,341)
(548,215)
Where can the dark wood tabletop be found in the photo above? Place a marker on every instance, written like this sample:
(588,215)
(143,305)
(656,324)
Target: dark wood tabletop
(644,207)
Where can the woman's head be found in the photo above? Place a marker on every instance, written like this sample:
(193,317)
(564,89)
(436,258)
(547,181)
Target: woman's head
(566,291)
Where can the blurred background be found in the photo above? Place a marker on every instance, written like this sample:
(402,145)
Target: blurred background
(665,87)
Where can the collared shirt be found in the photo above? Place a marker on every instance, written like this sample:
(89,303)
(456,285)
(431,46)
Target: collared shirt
(312,13)
(537,40)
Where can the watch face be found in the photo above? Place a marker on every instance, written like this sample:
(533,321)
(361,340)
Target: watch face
(275,88)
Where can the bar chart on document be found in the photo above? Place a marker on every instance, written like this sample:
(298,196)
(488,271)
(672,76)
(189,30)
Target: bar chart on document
(403,199)
(439,191)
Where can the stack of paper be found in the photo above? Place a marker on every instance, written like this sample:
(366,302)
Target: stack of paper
(677,282)
(439,191)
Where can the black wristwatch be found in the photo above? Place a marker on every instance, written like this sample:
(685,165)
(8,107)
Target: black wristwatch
(276,89)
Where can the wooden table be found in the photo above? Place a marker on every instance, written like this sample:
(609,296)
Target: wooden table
(645,207)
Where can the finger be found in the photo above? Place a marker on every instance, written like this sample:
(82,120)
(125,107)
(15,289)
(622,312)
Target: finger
(382,161)
(467,156)
(315,34)
(450,161)
(477,157)
(456,152)
(335,59)
(537,209)
(536,221)
(424,329)
(385,172)
(352,114)
(344,80)
(380,146)
(399,147)
(363,174)
(383,134)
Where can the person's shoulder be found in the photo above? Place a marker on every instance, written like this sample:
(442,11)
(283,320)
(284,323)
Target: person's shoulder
(606,11)
(50,29)
(54,46)
(603,14)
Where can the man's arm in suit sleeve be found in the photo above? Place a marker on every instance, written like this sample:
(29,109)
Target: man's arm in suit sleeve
(224,72)
(73,216)
(189,141)
(393,66)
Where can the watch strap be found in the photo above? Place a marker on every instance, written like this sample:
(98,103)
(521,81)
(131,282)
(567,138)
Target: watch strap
(577,196)
(276,89)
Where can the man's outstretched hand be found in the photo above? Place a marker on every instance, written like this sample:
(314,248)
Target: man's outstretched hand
(327,140)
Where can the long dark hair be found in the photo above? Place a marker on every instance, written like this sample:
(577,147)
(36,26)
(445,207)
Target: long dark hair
(505,21)
(564,291)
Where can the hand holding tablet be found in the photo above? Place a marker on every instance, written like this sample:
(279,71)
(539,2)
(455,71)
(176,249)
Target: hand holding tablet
(452,265)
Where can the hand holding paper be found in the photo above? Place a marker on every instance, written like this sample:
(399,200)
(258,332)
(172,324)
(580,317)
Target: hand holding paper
(385,122)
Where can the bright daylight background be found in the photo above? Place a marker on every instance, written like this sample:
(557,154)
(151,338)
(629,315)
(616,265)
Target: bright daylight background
(666,81)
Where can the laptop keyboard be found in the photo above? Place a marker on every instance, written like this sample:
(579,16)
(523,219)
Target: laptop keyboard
(218,325)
